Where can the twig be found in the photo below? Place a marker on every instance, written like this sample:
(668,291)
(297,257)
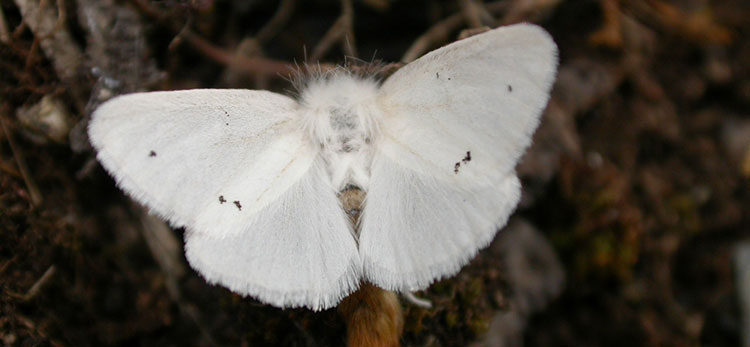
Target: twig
(253,66)
(527,10)
(440,32)
(7,263)
(485,15)
(164,247)
(18,30)
(274,25)
(62,14)
(38,35)
(341,30)
(34,193)
(377,5)
(610,34)
(4,32)
(192,313)
(250,47)
(698,26)
(350,44)
(10,170)
(56,42)
(39,284)
(177,40)
(166,251)
(470,11)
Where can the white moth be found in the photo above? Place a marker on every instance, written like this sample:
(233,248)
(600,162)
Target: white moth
(253,176)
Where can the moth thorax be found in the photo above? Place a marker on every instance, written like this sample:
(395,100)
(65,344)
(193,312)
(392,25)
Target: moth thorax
(345,138)
(341,116)
(348,131)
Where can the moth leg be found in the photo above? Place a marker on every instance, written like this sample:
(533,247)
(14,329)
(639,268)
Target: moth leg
(414,300)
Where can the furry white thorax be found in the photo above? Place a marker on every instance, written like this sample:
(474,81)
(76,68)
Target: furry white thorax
(341,116)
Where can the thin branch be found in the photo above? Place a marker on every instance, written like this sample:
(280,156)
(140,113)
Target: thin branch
(10,170)
(697,26)
(610,33)
(341,31)
(177,39)
(528,10)
(62,14)
(34,193)
(7,263)
(56,42)
(279,19)
(39,284)
(253,66)
(251,47)
(350,44)
(471,14)
(165,249)
(442,30)
(4,32)
(485,15)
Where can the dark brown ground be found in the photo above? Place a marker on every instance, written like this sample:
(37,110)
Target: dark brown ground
(640,175)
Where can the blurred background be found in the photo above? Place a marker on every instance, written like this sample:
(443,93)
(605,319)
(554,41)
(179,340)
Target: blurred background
(636,190)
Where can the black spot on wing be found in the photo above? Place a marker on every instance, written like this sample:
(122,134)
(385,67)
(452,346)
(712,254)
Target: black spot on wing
(466,159)
(152,154)
(510,88)
(437,75)
(237,203)
(221,199)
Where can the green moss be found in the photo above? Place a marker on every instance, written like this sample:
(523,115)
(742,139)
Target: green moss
(684,207)
(479,325)
(473,292)
(451,319)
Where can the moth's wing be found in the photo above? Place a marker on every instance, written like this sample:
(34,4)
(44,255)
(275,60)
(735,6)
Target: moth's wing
(297,251)
(417,228)
(483,94)
(190,155)
(230,167)
(455,123)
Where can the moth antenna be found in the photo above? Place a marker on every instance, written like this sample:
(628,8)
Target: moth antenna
(350,47)
(295,79)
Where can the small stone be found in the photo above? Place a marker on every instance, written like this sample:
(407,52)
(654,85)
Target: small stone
(46,120)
